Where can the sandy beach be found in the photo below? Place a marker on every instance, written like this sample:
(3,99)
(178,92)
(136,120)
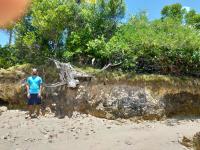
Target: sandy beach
(85,132)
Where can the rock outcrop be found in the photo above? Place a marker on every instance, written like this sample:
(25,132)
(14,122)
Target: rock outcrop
(109,95)
(11,81)
(118,100)
(196,141)
(192,143)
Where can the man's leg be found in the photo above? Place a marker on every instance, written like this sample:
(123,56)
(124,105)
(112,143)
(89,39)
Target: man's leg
(30,105)
(30,108)
(38,105)
(43,108)
(38,110)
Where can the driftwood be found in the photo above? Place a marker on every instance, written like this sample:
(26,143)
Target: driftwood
(55,84)
(110,65)
(68,75)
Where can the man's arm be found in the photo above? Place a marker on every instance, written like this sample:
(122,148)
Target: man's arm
(27,89)
(40,92)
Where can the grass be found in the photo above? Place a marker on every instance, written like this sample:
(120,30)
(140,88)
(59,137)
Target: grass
(118,76)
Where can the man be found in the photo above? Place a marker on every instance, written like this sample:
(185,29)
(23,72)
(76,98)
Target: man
(34,90)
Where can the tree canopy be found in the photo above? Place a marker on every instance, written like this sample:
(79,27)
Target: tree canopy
(93,33)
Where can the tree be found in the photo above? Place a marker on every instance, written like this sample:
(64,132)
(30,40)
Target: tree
(174,11)
(99,21)
(63,28)
(40,33)
(159,46)
(7,56)
(193,18)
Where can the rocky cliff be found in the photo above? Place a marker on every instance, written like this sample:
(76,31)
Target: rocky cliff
(109,95)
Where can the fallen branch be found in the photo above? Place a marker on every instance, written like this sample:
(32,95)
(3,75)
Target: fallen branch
(110,65)
(55,84)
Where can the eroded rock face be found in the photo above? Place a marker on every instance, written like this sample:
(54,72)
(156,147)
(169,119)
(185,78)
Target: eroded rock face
(145,99)
(196,141)
(186,142)
(193,143)
(11,84)
(114,101)
(61,100)
(183,103)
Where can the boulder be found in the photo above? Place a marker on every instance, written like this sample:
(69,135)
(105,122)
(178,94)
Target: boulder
(3,109)
(196,141)
(186,142)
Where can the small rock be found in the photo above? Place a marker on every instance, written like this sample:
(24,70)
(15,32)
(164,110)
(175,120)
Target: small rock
(4,137)
(3,109)
(186,142)
(128,142)
(46,130)
(50,141)
(61,131)
(108,127)
(87,134)
(51,136)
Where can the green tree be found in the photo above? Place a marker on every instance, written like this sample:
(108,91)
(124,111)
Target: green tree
(63,28)
(174,11)
(165,47)
(7,56)
(97,20)
(193,18)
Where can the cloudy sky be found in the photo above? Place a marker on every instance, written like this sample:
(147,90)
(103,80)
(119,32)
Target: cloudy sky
(153,7)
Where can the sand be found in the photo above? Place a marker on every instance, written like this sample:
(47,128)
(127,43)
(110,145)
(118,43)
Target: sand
(85,132)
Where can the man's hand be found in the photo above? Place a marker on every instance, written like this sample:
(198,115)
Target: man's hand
(39,95)
(28,95)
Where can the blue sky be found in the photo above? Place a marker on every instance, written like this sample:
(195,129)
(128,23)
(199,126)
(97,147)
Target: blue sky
(153,8)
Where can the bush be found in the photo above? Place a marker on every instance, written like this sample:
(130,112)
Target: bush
(165,47)
(7,57)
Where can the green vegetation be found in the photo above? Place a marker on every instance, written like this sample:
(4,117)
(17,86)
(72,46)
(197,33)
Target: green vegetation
(93,35)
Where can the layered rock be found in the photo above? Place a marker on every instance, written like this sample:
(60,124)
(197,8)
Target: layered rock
(192,143)
(109,95)
(196,141)
(11,81)
(114,101)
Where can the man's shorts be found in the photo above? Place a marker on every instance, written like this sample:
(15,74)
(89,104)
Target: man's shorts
(34,100)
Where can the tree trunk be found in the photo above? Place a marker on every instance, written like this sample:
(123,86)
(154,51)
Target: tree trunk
(10,32)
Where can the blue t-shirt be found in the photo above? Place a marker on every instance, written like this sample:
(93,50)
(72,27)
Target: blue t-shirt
(34,83)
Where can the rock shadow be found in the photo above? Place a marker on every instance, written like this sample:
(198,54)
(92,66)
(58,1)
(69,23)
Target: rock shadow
(182,104)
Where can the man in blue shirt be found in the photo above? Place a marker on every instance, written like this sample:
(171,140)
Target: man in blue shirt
(34,89)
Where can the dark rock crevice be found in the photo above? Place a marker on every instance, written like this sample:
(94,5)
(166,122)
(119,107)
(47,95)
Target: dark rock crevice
(182,104)
(3,103)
